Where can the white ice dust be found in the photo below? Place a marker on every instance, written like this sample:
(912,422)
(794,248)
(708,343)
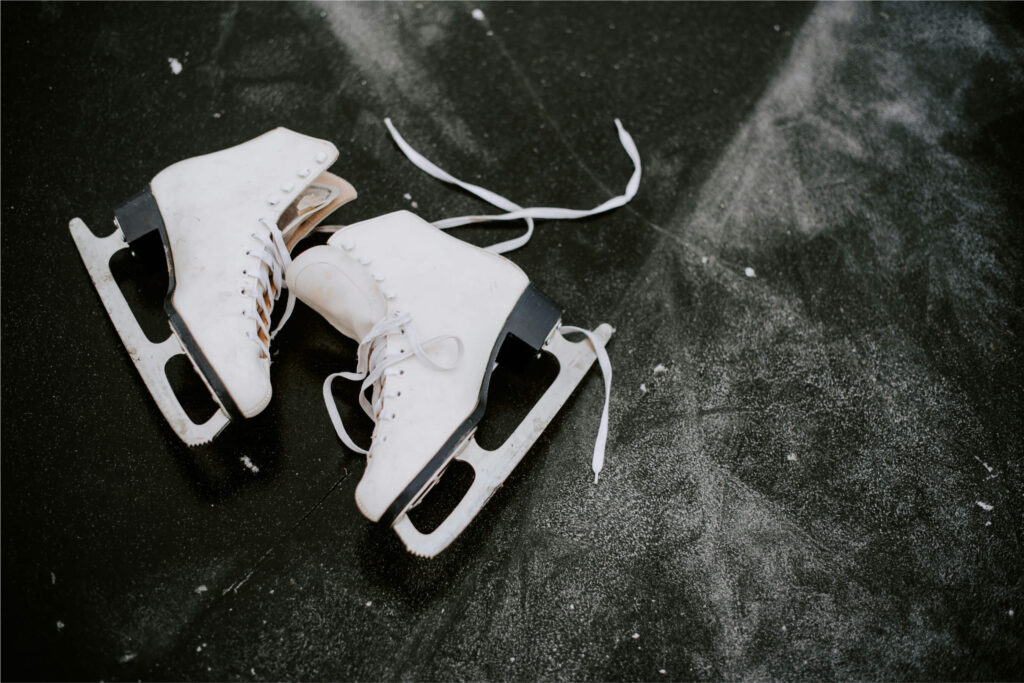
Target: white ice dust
(659,368)
(985,506)
(201,589)
(176,66)
(126,657)
(478,14)
(60,625)
(791,457)
(749,272)
(984,464)
(635,636)
(643,388)
(249,464)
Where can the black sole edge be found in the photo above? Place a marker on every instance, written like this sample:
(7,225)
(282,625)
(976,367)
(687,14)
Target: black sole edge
(141,216)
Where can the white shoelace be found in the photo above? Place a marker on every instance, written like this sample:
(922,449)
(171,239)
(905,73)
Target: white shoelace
(375,357)
(274,259)
(517,212)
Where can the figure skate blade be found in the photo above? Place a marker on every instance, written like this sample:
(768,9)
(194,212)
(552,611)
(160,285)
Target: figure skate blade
(492,468)
(150,359)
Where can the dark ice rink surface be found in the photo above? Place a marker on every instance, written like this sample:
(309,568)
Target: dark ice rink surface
(813,472)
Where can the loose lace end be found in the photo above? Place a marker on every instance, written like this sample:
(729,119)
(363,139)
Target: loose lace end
(597,462)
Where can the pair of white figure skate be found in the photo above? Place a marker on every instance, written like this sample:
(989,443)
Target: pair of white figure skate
(430,313)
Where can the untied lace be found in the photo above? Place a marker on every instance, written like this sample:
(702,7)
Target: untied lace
(375,358)
(517,212)
(274,259)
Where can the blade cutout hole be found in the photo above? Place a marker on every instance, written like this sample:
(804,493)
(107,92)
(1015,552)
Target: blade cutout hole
(189,389)
(441,500)
(517,384)
(143,281)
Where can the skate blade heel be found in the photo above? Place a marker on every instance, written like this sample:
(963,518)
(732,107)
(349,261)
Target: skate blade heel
(149,358)
(492,467)
(534,318)
(138,218)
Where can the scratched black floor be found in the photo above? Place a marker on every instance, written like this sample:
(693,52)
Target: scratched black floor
(814,468)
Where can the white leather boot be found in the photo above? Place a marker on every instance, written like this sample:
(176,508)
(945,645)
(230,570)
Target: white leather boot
(431,313)
(227,221)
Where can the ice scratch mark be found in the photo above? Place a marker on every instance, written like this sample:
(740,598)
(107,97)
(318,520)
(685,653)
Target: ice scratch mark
(53,579)
(176,66)
(984,464)
(985,506)
(126,657)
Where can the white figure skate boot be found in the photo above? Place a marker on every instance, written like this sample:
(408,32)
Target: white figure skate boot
(227,221)
(430,313)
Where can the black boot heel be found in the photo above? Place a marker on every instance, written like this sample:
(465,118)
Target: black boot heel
(139,217)
(533,318)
